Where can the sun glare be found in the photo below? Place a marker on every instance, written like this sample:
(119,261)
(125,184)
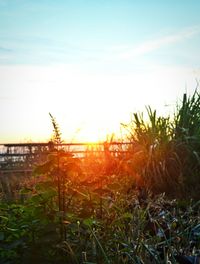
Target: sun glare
(92,133)
(87,107)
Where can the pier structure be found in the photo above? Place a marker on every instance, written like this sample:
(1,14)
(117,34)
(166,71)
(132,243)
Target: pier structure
(16,157)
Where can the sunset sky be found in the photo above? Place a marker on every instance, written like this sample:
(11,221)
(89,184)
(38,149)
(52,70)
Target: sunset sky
(92,63)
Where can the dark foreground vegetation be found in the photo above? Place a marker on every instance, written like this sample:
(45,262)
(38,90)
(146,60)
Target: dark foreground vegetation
(139,208)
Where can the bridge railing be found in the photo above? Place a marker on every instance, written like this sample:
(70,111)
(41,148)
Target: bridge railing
(24,155)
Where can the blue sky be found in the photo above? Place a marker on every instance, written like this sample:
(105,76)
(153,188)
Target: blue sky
(92,63)
(43,32)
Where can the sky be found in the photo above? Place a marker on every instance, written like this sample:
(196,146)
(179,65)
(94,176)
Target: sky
(91,64)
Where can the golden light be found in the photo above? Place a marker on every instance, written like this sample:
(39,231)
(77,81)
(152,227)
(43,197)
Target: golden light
(87,107)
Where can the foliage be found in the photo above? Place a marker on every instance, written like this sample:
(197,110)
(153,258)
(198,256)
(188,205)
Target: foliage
(106,208)
(126,232)
(187,140)
(167,151)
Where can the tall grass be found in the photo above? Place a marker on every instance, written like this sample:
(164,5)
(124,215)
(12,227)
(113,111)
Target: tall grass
(187,140)
(169,148)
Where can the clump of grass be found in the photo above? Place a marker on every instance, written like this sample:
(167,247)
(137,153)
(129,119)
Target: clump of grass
(166,152)
(186,140)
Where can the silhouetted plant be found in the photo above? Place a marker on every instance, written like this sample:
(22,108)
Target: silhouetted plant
(56,131)
(166,152)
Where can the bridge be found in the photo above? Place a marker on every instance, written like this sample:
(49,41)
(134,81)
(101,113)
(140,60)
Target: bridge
(17,160)
(20,157)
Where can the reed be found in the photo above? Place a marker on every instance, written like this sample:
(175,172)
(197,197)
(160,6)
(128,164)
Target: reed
(169,148)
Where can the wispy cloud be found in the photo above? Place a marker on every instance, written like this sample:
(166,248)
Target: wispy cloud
(152,45)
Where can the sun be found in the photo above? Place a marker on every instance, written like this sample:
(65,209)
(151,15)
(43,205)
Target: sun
(93,133)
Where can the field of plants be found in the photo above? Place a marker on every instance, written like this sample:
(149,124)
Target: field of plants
(142,207)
